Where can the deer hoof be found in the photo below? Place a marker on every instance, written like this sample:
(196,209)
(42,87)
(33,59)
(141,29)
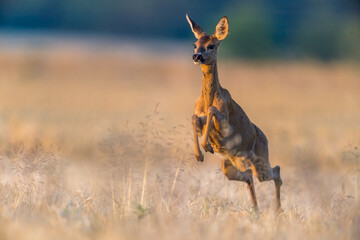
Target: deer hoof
(200,157)
(208,148)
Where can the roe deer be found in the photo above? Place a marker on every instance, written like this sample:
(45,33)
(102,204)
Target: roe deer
(224,125)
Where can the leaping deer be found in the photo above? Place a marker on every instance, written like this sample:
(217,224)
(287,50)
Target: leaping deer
(225,127)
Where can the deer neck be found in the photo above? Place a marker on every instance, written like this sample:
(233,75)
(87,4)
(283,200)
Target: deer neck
(210,83)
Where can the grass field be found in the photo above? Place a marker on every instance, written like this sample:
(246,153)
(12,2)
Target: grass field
(96,143)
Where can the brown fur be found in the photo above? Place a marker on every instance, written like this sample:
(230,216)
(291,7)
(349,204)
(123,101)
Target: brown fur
(224,125)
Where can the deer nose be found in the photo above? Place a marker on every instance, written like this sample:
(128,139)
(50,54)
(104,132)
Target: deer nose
(197,57)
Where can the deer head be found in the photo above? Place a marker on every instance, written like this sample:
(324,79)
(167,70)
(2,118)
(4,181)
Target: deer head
(205,48)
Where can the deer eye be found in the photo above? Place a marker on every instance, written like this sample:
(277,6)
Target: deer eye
(211,46)
(194,45)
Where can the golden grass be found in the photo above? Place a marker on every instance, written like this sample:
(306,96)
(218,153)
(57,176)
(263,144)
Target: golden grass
(86,152)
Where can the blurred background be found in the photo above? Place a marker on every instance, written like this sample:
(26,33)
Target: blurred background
(96,99)
(260,29)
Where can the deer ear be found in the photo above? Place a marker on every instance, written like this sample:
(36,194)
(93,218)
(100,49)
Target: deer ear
(222,29)
(197,30)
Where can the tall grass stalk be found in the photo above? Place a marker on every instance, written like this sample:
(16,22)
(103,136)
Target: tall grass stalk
(144,179)
(147,152)
(113,196)
(129,189)
(174,182)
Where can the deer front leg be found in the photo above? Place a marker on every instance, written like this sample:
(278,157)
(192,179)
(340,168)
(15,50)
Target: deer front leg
(197,127)
(218,123)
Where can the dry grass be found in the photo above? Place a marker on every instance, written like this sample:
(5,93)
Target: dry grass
(108,165)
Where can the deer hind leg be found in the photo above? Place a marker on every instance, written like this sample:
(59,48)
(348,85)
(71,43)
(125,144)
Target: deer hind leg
(261,166)
(263,171)
(278,183)
(232,173)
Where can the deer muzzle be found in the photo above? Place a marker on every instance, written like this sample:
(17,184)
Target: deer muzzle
(198,58)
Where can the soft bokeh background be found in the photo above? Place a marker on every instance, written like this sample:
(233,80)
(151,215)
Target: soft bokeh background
(95,106)
(321,29)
